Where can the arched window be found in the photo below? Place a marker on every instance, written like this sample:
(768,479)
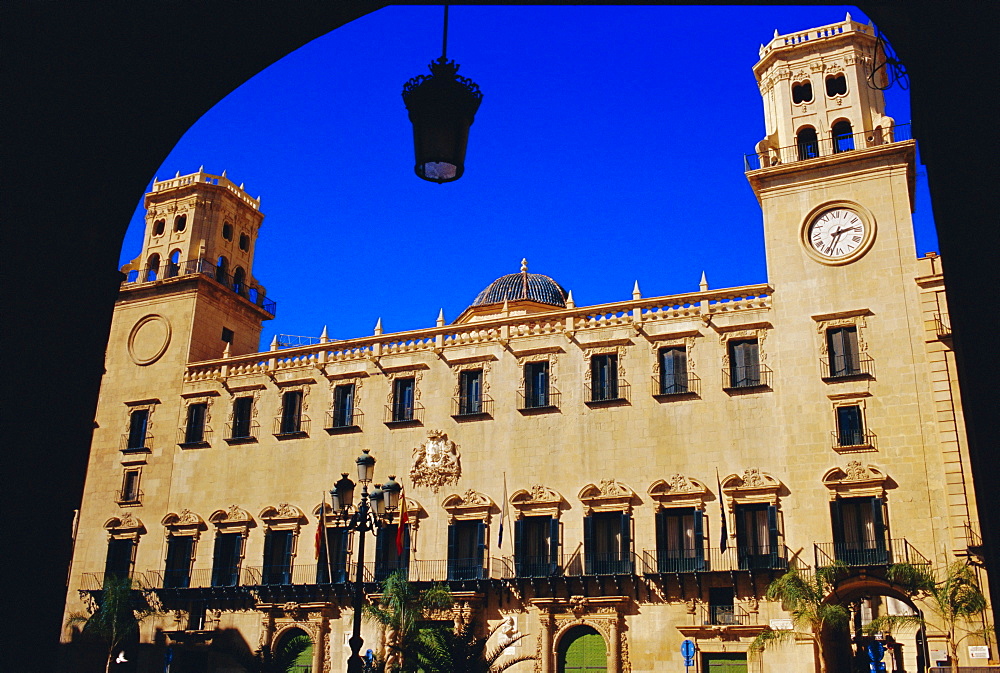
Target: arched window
(222,269)
(802,92)
(239,281)
(227,231)
(180,222)
(843,136)
(174,266)
(836,85)
(152,267)
(808,143)
(244,242)
(158,227)
(582,649)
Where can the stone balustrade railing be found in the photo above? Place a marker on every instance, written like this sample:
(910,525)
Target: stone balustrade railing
(637,313)
(202,176)
(820,33)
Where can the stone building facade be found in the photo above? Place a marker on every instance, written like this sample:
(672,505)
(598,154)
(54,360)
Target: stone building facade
(654,463)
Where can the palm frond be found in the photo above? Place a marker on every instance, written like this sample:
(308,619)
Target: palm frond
(767,638)
(892,623)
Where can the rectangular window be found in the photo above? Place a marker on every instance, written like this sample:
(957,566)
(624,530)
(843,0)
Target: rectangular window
(673,370)
(138,422)
(242,417)
(291,412)
(721,605)
(337,542)
(403,393)
(850,427)
(130,487)
(277,557)
(177,574)
(343,406)
(744,364)
(387,558)
(226,559)
(119,559)
(466,550)
(536,546)
(757,537)
(227,335)
(607,542)
(536,384)
(470,392)
(194,429)
(604,377)
(859,531)
(842,344)
(680,540)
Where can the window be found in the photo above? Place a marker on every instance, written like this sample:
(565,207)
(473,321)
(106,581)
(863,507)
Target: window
(757,536)
(158,227)
(278,557)
(607,543)
(808,143)
(222,269)
(680,540)
(850,426)
(403,390)
(843,137)
(842,345)
(466,550)
(227,335)
(194,428)
(470,392)
(240,281)
(604,377)
(337,542)
(244,243)
(859,531)
(536,546)
(291,413)
(744,364)
(152,268)
(177,574)
(836,86)
(721,605)
(387,559)
(343,406)
(118,563)
(227,231)
(180,222)
(241,427)
(802,92)
(536,385)
(138,422)
(673,370)
(226,559)
(130,493)
(174,265)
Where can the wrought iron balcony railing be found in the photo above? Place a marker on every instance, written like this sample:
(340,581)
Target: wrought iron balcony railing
(527,566)
(713,559)
(591,564)
(868,553)
(743,378)
(825,147)
(848,367)
(470,406)
(344,419)
(667,386)
(206,268)
(95,581)
(942,326)
(609,392)
(404,413)
(201,578)
(973,538)
(538,400)
(129,498)
(291,427)
(129,443)
(853,440)
(194,436)
(723,615)
(242,433)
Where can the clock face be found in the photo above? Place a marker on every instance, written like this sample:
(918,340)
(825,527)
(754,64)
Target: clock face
(837,233)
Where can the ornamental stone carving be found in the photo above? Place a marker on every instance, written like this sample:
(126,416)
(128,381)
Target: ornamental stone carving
(436,462)
(235,514)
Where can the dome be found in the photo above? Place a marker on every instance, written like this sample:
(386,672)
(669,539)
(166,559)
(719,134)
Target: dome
(522,286)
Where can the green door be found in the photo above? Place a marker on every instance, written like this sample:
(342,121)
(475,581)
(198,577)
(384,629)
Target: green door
(717,662)
(582,650)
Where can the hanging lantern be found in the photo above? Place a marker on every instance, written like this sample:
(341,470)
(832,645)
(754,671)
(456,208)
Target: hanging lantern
(441,108)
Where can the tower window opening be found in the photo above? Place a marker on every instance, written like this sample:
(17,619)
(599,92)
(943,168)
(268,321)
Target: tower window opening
(808,143)
(802,92)
(244,242)
(239,281)
(227,335)
(221,269)
(180,222)
(152,267)
(836,85)
(174,265)
(158,227)
(843,136)
(227,231)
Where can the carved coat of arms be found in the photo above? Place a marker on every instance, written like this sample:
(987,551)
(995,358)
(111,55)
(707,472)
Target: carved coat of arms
(436,462)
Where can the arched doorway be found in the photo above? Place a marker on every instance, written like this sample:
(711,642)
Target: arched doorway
(582,650)
(291,643)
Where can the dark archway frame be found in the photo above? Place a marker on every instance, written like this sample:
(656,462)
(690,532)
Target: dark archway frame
(96,94)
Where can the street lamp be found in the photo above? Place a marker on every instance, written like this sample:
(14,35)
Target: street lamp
(374,510)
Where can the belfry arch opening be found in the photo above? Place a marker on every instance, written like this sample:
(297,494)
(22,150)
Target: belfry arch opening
(842,134)
(807,142)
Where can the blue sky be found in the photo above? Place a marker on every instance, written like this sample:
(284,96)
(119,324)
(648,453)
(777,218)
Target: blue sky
(608,149)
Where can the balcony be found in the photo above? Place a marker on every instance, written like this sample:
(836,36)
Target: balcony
(826,147)
(740,379)
(130,444)
(662,562)
(942,326)
(723,615)
(600,564)
(188,438)
(848,368)
(539,402)
(129,498)
(290,428)
(853,440)
(200,578)
(95,581)
(867,554)
(514,567)
(343,421)
(607,394)
(673,387)
(242,432)
(399,415)
(471,408)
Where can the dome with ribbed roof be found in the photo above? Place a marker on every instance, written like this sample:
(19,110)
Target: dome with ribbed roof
(522,286)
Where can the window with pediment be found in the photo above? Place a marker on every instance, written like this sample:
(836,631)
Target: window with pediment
(232,527)
(282,524)
(536,532)
(680,525)
(857,516)
(469,516)
(183,530)
(607,528)
(753,502)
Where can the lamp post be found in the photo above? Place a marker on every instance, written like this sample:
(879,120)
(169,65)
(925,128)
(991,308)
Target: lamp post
(373,511)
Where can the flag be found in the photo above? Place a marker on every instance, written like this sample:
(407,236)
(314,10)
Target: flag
(503,512)
(724,535)
(404,519)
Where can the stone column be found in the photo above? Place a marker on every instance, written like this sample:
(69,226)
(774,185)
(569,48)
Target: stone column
(546,620)
(614,647)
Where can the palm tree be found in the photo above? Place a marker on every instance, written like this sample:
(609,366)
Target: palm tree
(804,595)
(400,612)
(119,611)
(954,597)
(462,651)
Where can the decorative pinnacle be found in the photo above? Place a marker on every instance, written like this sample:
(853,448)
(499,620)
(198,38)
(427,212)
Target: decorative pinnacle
(274,343)
(636,293)
(506,308)
(440,318)
(178,174)
(378,327)
(524,265)
(569,300)
(703,285)
(201,169)
(324,337)
(226,350)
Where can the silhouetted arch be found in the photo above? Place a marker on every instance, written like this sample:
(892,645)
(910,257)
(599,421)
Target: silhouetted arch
(808,143)
(239,280)
(152,267)
(221,269)
(174,266)
(843,136)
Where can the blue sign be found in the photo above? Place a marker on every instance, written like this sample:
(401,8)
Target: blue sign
(876,651)
(687,651)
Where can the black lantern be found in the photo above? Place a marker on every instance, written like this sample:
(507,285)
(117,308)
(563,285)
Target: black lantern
(366,467)
(442,108)
(342,493)
(391,489)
